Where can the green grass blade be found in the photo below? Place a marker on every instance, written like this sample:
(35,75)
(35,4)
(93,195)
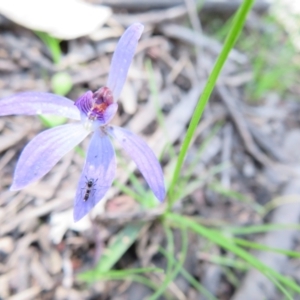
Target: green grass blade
(193,282)
(227,244)
(227,262)
(186,188)
(147,282)
(220,189)
(122,241)
(128,277)
(278,201)
(128,191)
(253,245)
(159,114)
(139,193)
(115,274)
(53,45)
(171,276)
(259,228)
(282,289)
(194,163)
(170,247)
(237,25)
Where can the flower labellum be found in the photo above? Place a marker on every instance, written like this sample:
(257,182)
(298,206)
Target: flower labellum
(94,110)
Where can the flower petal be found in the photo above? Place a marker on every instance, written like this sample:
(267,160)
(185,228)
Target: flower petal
(122,58)
(84,102)
(37,103)
(99,169)
(144,158)
(44,151)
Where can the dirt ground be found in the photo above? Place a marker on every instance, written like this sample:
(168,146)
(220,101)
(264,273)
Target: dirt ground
(248,171)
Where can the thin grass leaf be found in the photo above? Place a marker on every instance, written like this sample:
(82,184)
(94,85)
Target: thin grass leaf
(145,281)
(159,114)
(193,282)
(218,188)
(52,43)
(190,170)
(170,247)
(115,274)
(128,191)
(141,195)
(259,228)
(128,275)
(284,291)
(185,189)
(136,183)
(253,245)
(278,201)
(171,276)
(122,241)
(231,276)
(237,25)
(228,262)
(227,244)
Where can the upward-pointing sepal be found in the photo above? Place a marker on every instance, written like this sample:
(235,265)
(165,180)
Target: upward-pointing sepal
(122,58)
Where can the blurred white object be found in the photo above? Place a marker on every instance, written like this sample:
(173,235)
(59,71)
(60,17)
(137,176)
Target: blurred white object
(61,222)
(287,12)
(64,19)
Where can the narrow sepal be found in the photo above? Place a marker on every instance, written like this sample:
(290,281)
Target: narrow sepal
(122,58)
(37,103)
(144,158)
(44,151)
(97,175)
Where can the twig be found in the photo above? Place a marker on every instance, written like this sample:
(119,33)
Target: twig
(241,126)
(189,36)
(226,154)
(153,17)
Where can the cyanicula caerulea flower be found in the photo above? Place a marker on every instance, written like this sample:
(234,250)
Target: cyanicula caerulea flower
(95,110)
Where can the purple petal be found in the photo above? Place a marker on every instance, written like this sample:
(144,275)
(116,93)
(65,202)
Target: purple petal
(44,151)
(84,102)
(99,169)
(122,58)
(37,103)
(144,158)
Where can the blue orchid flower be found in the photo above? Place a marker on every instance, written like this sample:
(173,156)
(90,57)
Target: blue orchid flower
(94,110)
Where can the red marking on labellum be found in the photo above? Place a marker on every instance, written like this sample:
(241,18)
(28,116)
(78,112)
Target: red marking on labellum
(99,108)
(102,98)
(103,95)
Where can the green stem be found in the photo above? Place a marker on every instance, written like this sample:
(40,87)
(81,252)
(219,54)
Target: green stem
(238,23)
